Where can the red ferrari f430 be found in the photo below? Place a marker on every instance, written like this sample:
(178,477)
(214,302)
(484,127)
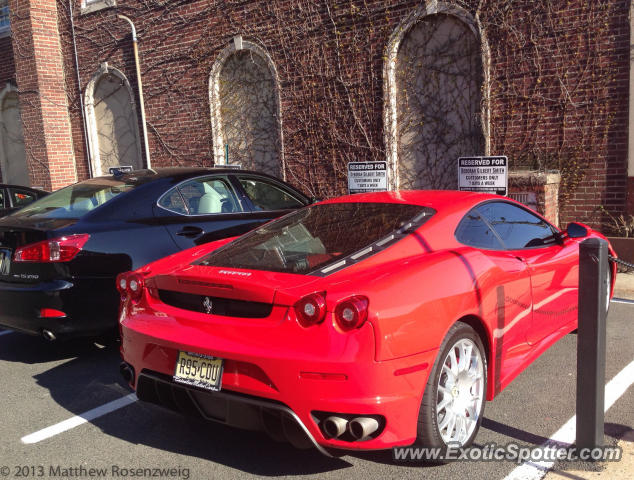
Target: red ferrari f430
(363,322)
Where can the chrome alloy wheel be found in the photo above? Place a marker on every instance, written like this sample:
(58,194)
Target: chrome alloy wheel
(460,392)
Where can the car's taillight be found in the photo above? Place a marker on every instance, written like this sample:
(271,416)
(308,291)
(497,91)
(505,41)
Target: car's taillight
(62,249)
(130,284)
(311,309)
(352,312)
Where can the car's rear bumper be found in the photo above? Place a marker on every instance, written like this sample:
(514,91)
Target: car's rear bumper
(311,372)
(87,307)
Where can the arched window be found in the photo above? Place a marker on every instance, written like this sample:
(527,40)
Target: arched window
(113,128)
(245,109)
(12,154)
(435,113)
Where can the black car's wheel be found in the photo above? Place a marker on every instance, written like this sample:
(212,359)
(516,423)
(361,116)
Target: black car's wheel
(453,403)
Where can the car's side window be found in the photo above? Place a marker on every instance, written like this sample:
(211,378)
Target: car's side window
(475,232)
(207,196)
(268,196)
(22,198)
(173,202)
(518,228)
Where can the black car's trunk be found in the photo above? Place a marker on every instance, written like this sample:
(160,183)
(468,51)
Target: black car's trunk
(18,232)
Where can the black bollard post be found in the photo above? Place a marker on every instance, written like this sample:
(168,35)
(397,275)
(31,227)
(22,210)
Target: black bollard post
(593,265)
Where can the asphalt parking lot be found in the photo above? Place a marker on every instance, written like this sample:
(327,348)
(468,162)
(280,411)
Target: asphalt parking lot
(57,412)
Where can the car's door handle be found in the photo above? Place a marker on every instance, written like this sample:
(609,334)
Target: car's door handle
(190,232)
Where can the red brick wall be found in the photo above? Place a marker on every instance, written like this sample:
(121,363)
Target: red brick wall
(40,78)
(330,64)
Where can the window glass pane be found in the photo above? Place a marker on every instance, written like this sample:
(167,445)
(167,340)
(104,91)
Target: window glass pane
(207,196)
(475,232)
(4,15)
(313,237)
(266,196)
(2,199)
(76,200)
(22,198)
(173,202)
(518,228)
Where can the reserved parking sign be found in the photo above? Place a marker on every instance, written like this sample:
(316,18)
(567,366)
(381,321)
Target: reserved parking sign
(483,174)
(367,177)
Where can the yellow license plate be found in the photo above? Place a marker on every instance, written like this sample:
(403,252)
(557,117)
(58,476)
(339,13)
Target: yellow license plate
(198,370)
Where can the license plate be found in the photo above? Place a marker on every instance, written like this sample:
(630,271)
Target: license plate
(198,370)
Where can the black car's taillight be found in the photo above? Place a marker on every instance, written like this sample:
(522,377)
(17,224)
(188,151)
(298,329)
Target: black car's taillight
(62,249)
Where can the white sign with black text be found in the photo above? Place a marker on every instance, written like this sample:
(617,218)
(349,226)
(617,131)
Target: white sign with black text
(483,174)
(367,177)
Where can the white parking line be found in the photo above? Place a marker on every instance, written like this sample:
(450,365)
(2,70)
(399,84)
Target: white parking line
(614,389)
(5,332)
(79,419)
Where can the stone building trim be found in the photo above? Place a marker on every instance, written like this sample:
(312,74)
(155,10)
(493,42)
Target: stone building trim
(88,6)
(390,114)
(91,119)
(8,88)
(236,44)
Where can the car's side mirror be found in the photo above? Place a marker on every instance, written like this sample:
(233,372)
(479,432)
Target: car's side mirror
(576,230)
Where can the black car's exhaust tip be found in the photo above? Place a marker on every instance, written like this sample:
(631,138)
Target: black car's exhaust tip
(48,335)
(127,372)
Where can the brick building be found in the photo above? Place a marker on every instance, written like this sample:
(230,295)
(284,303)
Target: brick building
(299,88)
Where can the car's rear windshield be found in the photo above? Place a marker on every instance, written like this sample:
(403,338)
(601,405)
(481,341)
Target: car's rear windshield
(76,200)
(320,239)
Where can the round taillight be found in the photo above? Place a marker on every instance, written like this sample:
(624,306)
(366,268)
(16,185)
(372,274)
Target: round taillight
(122,282)
(352,312)
(311,309)
(135,285)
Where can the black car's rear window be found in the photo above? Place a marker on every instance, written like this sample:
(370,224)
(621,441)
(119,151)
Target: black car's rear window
(76,200)
(320,239)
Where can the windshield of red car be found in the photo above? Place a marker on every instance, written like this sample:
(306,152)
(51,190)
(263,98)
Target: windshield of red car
(311,239)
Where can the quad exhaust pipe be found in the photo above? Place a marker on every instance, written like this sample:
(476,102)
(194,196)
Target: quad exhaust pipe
(335,426)
(360,428)
(127,372)
(48,335)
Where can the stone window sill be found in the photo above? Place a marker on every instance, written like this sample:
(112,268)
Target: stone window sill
(96,6)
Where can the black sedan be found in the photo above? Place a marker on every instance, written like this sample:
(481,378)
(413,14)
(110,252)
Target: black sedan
(14,197)
(59,256)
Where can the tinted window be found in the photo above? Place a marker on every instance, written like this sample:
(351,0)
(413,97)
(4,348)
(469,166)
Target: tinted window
(475,232)
(76,200)
(313,237)
(267,196)
(207,196)
(173,202)
(518,228)
(21,198)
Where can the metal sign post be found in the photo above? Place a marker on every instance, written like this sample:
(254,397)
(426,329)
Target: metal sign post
(593,270)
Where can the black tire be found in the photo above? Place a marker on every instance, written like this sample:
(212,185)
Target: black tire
(428,431)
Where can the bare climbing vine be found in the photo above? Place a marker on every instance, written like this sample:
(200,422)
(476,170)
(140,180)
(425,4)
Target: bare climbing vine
(547,78)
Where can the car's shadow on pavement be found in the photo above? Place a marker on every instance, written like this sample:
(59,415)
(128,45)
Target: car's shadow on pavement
(29,349)
(92,379)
